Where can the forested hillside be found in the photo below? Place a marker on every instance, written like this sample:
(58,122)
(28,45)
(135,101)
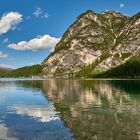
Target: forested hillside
(27,71)
(131,69)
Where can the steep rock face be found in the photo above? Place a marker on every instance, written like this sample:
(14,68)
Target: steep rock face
(105,40)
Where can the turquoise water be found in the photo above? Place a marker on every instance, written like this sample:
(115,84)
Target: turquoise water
(69,109)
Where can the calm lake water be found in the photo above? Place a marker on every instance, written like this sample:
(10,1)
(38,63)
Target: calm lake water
(69,109)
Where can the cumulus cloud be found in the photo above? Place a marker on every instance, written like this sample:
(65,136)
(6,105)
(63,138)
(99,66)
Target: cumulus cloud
(37,12)
(38,43)
(3,55)
(122,5)
(9,21)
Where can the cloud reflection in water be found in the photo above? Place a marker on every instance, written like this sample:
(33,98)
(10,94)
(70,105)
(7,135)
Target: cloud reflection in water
(39,113)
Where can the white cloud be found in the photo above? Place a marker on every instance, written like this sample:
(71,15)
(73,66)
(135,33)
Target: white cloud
(5,40)
(122,5)
(46,15)
(38,43)
(9,21)
(37,12)
(3,55)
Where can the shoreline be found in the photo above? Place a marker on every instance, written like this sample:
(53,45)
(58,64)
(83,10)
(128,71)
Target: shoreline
(97,79)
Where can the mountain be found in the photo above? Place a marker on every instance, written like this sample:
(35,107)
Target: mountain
(4,70)
(99,41)
(27,71)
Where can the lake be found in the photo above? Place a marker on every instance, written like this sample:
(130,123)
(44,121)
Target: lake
(66,109)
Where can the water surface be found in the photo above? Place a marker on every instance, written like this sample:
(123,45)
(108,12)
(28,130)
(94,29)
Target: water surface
(69,109)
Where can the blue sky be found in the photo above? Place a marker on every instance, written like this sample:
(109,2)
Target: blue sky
(41,23)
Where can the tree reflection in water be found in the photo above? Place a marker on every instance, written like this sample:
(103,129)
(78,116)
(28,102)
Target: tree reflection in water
(97,109)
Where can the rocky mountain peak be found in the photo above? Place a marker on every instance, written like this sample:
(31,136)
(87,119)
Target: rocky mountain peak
(86,14)
(104,40)
(112,13)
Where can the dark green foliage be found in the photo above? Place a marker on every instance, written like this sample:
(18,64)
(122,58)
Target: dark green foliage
(58,49)
(131,69)
(125,55)
(27,71)
(87,71)
(3,72)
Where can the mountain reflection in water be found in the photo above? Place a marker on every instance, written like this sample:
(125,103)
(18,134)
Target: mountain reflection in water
(97,109)
(60,109)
